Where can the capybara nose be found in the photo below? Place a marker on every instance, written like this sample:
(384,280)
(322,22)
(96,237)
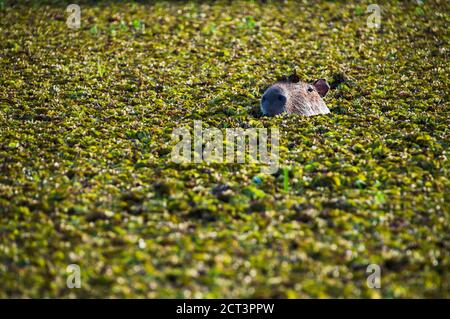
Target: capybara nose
(273,102)
(281,98)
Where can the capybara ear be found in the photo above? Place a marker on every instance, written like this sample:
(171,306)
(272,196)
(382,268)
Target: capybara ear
(282,79)
(321,86)
(293,78)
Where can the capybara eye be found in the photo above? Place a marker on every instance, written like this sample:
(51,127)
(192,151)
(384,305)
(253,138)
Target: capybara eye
(310,89)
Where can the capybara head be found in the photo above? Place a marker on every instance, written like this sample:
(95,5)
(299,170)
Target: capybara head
(300,98)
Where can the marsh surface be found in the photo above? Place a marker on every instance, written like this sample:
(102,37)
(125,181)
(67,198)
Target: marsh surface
(86,177)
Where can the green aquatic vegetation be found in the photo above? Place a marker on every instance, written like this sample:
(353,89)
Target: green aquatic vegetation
(94,30)
(286,179)
(101,69)
(86,176)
